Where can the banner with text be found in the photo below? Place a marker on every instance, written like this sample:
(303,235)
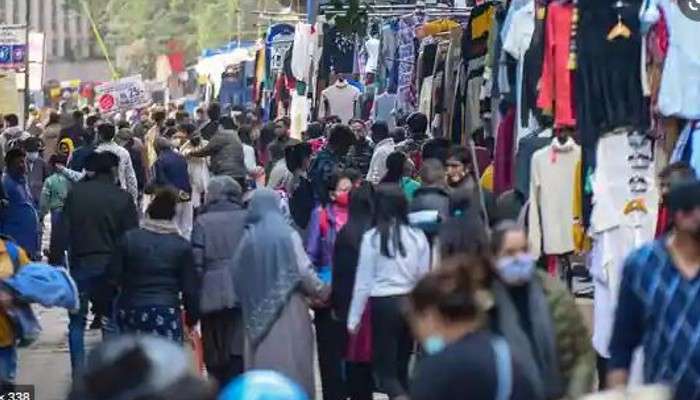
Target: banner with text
(124,94)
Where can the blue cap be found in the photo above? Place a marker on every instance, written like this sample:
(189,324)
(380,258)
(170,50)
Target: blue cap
(263,385)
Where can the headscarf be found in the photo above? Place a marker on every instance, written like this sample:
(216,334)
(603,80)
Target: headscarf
(223,188)
(68,142)
(266,265)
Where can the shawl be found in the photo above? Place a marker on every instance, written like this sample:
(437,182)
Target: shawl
(159,226)
(537,356)
(267,270)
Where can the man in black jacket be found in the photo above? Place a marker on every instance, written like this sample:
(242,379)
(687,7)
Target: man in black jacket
(212,127)
(96,214)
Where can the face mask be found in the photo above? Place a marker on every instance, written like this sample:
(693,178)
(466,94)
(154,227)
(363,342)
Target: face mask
(516,270)
(34,155)
(342,199)
(433,344)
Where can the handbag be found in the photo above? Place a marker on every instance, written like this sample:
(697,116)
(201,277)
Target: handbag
(194,346)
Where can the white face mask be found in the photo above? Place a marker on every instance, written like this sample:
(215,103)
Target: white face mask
(34,155)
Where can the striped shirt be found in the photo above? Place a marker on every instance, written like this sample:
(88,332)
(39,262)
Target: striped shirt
(659,309)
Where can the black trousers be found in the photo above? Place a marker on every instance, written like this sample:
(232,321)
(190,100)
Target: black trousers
(359,383)
(330,341)
(224,374)
(602,366)
(391,345)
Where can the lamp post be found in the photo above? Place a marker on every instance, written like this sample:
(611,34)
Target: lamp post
(27,100)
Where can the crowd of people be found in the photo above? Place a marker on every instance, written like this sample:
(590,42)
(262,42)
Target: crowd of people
(378,251)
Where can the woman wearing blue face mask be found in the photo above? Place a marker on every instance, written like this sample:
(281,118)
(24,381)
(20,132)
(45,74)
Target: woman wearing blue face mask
(464,360)
(539,319)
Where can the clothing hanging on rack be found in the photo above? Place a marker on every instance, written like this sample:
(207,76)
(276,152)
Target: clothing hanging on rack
(516,42)
(556,84)
(551,212)
(679,94)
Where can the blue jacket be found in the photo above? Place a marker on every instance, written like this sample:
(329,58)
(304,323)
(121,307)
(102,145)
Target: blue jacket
(19,219)
(171,170)
(44,284)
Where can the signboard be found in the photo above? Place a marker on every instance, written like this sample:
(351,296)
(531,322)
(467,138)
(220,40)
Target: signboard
(9,96)
(13,46)
(124,94)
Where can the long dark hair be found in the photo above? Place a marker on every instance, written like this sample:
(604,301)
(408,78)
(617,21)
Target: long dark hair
(360,216)
(395,166)
(463,234)
(392,211)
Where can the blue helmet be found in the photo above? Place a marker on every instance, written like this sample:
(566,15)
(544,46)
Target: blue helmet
(263,385)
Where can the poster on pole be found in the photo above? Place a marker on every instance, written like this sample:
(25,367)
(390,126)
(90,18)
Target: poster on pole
(13,46)
(121,95)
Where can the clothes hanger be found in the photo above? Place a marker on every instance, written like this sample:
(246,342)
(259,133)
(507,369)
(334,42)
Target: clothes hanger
(620,29)
(635,205)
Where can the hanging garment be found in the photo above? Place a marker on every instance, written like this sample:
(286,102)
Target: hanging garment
(532,65)
(551,213)
(303,51)
(680,83)
(616,233)
(556,89)
(527,146)
(516,42)
(372,49)
(383,109)
(426,93)
(340,99)
(607,77)
(406,60)
(433,28)
(474,50)
(452,65)
(389,52)
(503,155)
(615,168)
(299,111)
(338,52)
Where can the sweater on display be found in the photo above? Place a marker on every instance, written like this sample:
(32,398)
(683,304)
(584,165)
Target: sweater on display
(340,100)
(551,215)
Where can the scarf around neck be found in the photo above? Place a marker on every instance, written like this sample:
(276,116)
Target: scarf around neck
(160,226)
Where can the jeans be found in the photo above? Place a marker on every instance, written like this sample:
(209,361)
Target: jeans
(8,364)
(90,289)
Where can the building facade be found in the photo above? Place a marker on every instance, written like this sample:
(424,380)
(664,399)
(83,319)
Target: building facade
(69,36)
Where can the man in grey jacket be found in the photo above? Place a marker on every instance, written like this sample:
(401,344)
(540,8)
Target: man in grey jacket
(226,152)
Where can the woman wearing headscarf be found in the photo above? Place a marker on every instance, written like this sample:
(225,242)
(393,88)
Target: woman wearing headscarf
(215,237)
(66,147)
(273,276)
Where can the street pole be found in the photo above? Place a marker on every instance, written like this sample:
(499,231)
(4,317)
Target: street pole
(27,18)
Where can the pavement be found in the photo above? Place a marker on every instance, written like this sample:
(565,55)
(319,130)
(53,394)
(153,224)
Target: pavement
(46,363)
